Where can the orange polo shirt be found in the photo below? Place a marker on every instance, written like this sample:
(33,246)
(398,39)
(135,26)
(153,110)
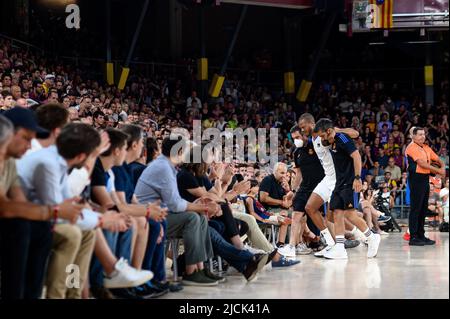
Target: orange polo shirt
(414,152)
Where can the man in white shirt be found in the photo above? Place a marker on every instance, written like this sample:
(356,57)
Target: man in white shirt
(192,98)
(322,193)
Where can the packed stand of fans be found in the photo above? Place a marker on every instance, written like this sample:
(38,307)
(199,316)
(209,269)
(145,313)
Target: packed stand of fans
(88,177)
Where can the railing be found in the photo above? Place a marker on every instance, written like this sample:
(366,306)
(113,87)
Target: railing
(402,209)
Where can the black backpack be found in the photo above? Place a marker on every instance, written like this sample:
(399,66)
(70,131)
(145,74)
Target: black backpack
(443,228)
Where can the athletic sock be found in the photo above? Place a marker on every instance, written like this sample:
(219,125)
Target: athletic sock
(328,238)
(368,233)
(340,242)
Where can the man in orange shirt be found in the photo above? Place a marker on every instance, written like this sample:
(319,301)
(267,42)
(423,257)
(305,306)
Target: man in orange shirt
(420,157)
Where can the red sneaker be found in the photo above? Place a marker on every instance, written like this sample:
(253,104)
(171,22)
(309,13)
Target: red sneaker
(407,236)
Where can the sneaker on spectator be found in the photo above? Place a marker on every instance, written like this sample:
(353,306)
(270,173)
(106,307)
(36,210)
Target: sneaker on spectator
(284,262)
(373,242)
(383,233)
(101,293)
(302,249)
(272,255)
(351,243)
(171,286)
(434,224)
(252,250)
(198,278)
(317,245)
(150,291)
(125,276)
(125,293)
(211,275)
(287,250)
(254,266)
(384,219)
(336,253)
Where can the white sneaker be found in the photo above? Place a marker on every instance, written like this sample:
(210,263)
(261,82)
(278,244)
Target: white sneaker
(374,243)
(287,250)
(252,250)
(126,276)
(383,233)
(336,253)
(302,249)
(321,253)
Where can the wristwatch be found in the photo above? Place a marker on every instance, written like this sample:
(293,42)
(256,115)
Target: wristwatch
(357,177)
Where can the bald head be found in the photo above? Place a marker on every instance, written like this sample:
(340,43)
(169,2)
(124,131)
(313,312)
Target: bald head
(16,92)
(306,124)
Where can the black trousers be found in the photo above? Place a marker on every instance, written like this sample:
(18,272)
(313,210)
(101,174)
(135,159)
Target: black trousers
(419,186)
(231,228)
(24,250)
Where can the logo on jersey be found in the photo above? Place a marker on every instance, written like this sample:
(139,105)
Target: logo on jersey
(350,206)
(310,152)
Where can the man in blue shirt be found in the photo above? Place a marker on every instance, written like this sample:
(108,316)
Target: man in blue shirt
(104,194)
(185,219)
(148,253)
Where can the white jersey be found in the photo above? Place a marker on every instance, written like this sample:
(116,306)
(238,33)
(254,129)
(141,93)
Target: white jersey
(324,155)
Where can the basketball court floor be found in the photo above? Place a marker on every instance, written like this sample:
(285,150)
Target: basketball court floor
(399,271)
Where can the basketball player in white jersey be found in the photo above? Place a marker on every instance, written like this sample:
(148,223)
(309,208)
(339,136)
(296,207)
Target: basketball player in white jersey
(322,193)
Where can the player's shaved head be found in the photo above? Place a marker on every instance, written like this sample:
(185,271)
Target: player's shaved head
(307,117)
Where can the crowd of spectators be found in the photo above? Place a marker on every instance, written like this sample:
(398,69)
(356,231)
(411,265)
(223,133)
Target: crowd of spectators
(117,150)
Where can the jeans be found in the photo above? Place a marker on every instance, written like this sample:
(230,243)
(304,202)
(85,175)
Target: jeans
(120,245)
(154,259)
(24,251)
(217,225)
(123,248)
(235,257)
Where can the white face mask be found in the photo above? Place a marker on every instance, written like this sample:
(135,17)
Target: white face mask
(298,143)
